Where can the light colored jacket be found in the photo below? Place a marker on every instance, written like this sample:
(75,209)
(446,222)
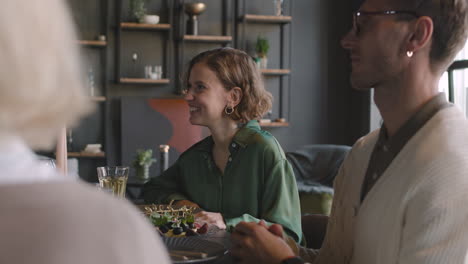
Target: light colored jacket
(46,219)
(416,212)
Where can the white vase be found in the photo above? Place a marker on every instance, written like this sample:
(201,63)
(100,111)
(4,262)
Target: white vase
(263,62)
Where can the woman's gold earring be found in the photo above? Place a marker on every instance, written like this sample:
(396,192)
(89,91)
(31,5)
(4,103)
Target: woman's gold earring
(228,110)
(409,54)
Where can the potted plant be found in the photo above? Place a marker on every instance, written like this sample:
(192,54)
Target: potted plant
(138,10)
(142,163)
(261,47)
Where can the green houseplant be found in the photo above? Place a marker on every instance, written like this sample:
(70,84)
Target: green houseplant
(137,10)
(142,163)
(261,48)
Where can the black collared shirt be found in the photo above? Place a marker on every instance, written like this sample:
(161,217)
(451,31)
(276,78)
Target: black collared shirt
(386,149)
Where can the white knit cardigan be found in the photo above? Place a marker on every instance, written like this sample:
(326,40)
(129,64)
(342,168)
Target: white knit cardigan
(417,212)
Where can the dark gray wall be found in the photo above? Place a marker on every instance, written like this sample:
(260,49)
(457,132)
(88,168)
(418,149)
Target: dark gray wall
(347,110)
(319,103)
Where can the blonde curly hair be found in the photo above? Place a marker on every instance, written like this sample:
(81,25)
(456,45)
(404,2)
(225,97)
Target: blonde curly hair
(235,68)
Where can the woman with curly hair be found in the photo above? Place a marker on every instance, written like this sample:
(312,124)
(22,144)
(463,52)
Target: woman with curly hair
(240,172)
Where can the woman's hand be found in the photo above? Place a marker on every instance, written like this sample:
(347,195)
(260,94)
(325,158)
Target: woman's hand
(211,219)
(186,203)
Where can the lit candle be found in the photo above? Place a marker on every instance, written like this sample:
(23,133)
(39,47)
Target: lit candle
(61,151)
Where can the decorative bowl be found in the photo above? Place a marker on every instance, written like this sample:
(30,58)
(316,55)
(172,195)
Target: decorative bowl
(150,19)
(194,8)
(93,148)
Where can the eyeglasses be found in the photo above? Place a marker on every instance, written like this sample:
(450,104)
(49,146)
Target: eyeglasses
(358,14)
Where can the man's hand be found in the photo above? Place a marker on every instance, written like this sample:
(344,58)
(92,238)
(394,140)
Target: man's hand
(256,243)
(186,203)
(275,229)
(211,219)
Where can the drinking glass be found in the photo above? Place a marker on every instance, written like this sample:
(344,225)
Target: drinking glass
(148,71)
(158,71)
(278,5)
(113,179)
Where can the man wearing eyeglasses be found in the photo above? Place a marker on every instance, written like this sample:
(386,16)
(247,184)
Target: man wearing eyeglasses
(401,195)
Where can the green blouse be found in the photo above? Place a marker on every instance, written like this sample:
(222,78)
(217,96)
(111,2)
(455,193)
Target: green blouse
(258,181)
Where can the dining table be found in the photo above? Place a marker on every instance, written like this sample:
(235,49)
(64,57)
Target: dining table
(221,237)
(217,238)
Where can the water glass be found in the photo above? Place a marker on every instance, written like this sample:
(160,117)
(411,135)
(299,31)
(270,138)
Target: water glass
(113,179)
(148,71)
(278,5)
(158,71)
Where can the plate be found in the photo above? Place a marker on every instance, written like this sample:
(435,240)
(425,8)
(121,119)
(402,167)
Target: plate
(193,245)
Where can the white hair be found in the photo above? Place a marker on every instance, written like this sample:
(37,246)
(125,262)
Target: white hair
(41,89)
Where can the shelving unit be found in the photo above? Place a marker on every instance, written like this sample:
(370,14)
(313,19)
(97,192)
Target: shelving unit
(251,18)
(93,43)
(143,81)
(207,38)
(99,155)
(93,128)
(138,26)
(243,18)
(168,46)
(275,124)
(275,72)
(224,23)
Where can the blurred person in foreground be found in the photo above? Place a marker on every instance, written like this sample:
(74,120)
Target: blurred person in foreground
(240,172)
(48,218)
(401,193)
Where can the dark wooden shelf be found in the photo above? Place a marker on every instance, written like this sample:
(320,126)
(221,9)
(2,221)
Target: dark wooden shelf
(93,43)
(274,124)
(98,98)
(139,26)
(98,155)
(207,38)
(143,81)
(270,72)
(267,19)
